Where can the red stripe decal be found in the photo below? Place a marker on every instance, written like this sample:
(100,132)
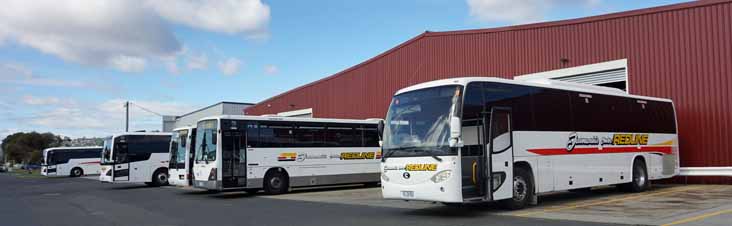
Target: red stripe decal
(95,162)
(605,150)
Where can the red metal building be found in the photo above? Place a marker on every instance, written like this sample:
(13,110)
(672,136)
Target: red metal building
(682,52)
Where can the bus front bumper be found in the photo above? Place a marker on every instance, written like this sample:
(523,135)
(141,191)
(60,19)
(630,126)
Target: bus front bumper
(208,185)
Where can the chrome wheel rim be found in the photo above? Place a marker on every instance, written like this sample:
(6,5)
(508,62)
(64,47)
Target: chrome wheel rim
(275,182)
(640,177)
(162,177)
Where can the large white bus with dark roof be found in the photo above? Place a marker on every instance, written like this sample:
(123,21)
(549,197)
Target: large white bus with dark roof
(182,150)
(274,154)
(136,157)
(70,161)
(479,139)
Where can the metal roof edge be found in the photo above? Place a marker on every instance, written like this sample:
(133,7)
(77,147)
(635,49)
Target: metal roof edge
(207,107)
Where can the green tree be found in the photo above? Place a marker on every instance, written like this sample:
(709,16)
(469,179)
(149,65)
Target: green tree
(28,147)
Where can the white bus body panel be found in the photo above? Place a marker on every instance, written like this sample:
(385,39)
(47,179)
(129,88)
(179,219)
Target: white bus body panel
(140,172)
(591,164)
(398,182)
(90,166)
(179,177)
(313,164)
(310,167)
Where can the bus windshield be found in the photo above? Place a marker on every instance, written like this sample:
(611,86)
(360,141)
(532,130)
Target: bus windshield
(107,150)
(206,140)
(178,146)
(418,122)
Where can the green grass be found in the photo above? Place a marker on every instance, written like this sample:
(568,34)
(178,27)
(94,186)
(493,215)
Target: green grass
(24,173)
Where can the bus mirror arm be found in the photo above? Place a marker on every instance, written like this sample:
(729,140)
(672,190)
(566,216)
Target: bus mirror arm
(380,131)
(455,130)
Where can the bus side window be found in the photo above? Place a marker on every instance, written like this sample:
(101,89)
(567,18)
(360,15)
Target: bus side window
(308,134)
(370,136)
(275,134)
(252,135)
(340,136)
(552,110)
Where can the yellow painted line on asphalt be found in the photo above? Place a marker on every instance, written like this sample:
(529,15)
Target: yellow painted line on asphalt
(580,205)
(700,217)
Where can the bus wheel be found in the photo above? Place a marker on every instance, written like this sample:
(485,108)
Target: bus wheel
(160,177)
(276,182)
(76,172)
(640,180)
(523,190)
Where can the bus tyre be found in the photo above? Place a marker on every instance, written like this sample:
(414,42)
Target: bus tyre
(76,172)
(523,190)
(276,182)
(160,177)
(640,180)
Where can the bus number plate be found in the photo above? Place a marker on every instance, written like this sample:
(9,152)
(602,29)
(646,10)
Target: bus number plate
(407,194)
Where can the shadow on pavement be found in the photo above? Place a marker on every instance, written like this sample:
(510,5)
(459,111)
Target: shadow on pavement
(233,195)
(132,187)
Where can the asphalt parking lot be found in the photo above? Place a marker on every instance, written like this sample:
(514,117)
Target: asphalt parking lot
(84,201)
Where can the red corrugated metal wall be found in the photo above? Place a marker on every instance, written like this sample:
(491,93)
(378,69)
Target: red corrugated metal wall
(682,52)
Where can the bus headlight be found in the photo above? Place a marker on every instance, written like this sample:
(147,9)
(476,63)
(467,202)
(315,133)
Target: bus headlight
(441,176)
(384,177)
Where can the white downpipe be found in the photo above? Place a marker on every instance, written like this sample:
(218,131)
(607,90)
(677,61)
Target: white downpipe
(706,171)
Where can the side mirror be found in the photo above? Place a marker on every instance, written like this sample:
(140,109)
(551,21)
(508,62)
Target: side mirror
(455,130)
(380,130)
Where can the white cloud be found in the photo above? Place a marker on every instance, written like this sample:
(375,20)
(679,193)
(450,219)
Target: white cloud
(102,33)
(6,132)
(128,63)
(518,11)
(249,17)
(124,35)
(197,62)
(18,74)
(271,69)
(230,66)
(33,100)
(106,117)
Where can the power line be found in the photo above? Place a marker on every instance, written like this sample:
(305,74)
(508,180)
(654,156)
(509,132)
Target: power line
(147,110)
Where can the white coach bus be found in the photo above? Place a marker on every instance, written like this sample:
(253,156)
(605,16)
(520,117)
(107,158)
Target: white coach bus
(70,161)
(277,153)
(182,149)
(489,139)
(137,157)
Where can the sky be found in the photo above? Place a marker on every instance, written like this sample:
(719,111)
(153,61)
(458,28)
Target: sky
(67,67)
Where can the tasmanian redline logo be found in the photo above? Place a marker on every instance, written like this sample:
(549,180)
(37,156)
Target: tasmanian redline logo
(287,156)
(605,150)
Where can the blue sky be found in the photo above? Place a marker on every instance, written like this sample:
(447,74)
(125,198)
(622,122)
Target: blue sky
(69,71)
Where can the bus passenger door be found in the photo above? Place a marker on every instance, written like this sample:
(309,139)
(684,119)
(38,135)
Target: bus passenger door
(51,167)
(474,159)
(122,163)
(233,159)
(191,156)
(500,175)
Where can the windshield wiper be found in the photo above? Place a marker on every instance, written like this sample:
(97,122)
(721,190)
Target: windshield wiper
(435,156)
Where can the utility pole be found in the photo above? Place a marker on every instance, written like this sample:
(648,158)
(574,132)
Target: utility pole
(127,116)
